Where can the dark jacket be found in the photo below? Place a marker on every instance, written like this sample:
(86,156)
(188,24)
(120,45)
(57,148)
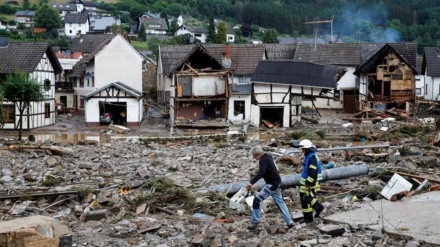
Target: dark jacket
(268,171)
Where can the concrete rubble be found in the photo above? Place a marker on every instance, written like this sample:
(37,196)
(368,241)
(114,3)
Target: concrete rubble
(147,191)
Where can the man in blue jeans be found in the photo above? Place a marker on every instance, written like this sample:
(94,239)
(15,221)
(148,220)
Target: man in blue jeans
(269,172)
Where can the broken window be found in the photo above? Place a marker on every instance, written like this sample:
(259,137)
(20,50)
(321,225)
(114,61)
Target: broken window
(9,113)
(47,110)
(239,107)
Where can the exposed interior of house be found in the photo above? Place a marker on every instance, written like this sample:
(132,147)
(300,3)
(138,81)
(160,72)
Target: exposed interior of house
(392,84)
(112,113)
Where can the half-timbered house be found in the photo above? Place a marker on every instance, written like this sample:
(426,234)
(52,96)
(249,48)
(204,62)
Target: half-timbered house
(38,61)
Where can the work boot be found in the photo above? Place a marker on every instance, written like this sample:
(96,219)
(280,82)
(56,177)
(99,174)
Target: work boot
(319,210)
(304,220)
(252,226)
(291,225)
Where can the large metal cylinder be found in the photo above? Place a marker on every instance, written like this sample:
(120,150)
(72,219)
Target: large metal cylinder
(293,180)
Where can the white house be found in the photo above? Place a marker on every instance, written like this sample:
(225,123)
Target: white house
(3,25)
(279,87)
(115,63)
(65,8)
(181,19)
(199,33)
(76,24)
(154,25)
(38,61)
(431,73)
(25,17)
(230,34)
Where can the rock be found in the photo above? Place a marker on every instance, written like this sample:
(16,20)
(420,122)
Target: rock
(141,208)
(333,230)
(428,161)
(377,235)
(232,239)
(52,162)
(33,231)
(96,215)
(412,243)
(6,179)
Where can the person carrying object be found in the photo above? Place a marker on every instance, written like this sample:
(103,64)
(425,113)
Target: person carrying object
(269,172)
(309,181)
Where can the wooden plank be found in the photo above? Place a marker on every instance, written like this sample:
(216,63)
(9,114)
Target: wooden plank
(119,128)
(416,176)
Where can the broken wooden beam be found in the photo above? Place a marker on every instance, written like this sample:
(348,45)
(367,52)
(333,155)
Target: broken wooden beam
(55,150)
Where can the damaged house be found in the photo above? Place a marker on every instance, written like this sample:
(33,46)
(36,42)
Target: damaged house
(350,56)
(107,84)
(279,87)
(386,81)
(199,90)
(239,59)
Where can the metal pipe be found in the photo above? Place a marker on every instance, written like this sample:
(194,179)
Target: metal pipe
(341,148)
(293,180)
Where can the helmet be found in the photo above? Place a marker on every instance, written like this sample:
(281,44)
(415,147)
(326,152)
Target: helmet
(305,143)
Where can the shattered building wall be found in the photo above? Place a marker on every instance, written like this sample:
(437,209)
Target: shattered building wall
(390,85)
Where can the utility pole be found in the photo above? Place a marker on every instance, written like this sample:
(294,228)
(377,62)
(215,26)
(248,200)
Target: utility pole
(326,21)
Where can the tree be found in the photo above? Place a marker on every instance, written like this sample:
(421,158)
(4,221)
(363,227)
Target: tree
(222,33)
(270,36)
(212,37)
(47,17)
(26,5)
(21,90)
(142,33)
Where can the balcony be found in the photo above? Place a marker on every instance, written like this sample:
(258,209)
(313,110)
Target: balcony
(63,87)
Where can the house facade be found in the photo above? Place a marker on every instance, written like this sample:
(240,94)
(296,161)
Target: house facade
(241,61)
(76,24)
(63,85)
(279,87)
(153,23)
(199,90)
(387,80)
(25,17)
(64,8)
(431,73)
(38,61)
(200,33)
(114,61)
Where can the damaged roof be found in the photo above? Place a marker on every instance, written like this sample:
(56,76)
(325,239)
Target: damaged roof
(119,85)
(431,61)
(280,51)
(350,54)
(370,64)
(297,73)
(25,56)
(244,57)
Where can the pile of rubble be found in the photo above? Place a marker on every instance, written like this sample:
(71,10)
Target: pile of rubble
(145,193)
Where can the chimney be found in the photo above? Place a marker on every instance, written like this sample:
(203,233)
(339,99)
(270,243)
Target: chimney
(226,59)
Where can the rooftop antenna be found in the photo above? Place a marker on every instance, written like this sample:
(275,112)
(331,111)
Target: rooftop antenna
(325,21)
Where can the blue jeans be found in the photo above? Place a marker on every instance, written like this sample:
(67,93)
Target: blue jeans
(278,199)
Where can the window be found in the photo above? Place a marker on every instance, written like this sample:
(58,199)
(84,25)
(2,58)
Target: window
(47,85)
(9,113)
(418,91)
(81,82)
(47,110)
(426,89)
(241,79)
(93,79)
(81,103)
(239,107)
